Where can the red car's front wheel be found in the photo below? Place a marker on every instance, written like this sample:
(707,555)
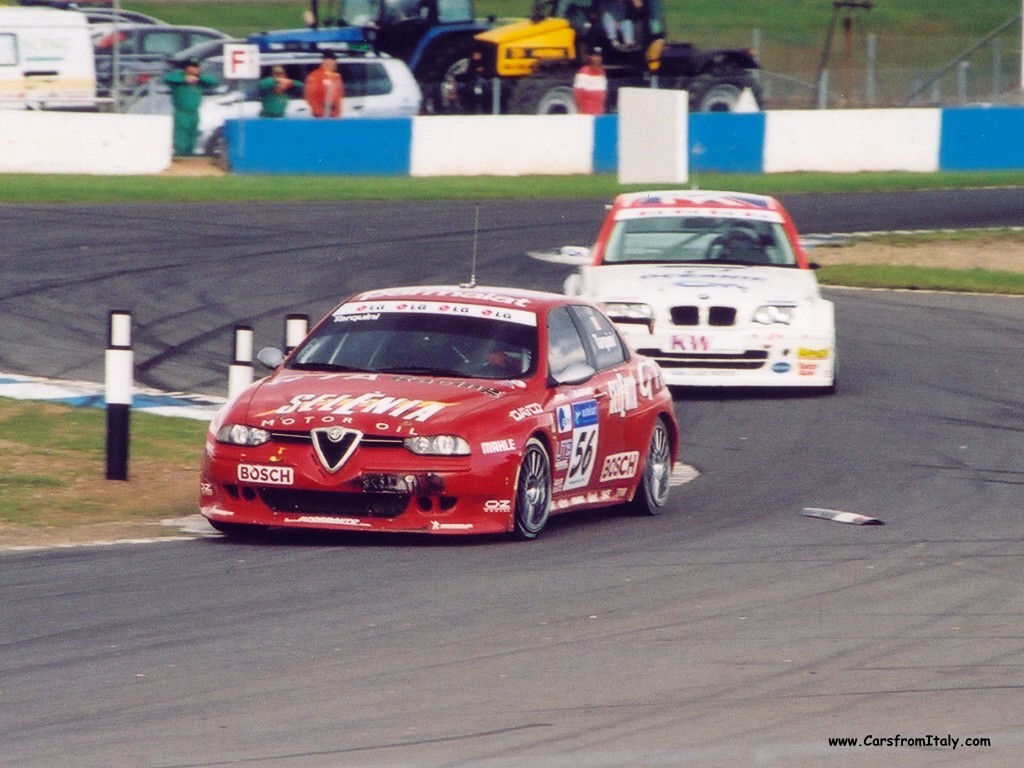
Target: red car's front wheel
(533,491)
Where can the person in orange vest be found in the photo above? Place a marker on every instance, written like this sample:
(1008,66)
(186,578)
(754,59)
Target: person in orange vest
(324,88)
(590,86)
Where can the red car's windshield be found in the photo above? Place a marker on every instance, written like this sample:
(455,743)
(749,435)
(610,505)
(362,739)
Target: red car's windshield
(431,343)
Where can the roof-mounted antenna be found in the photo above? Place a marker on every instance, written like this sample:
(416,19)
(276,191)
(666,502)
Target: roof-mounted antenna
(476,238)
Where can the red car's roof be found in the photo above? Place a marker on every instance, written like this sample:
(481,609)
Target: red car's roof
(480,294)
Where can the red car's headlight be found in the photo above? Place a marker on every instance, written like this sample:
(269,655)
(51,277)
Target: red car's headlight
(438,445)
(240,434)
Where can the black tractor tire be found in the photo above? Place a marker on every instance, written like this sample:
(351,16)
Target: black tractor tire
(440,78)
(721,92)
(543,96)
(216,149)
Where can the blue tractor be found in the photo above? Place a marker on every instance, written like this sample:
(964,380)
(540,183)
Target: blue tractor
(434,37)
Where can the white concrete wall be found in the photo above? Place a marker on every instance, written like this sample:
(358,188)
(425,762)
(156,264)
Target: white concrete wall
(84,142)
(851,140)
(653,136)
(511,145)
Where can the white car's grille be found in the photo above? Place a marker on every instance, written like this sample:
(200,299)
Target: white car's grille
(692,315)
(749,360)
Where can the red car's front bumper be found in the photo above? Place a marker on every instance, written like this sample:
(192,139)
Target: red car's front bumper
(391,491)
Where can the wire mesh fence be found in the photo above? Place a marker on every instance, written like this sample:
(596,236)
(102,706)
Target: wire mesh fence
(876,71)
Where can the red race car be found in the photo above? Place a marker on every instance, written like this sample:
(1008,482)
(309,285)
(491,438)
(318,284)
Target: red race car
(443,409)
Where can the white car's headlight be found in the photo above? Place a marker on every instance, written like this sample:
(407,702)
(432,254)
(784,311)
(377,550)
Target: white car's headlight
(769,314)
(240,434)
(438,445)
(628,312)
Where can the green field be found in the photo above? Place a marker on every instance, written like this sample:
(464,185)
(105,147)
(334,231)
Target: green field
(911,34)
(801,23)
(32,188)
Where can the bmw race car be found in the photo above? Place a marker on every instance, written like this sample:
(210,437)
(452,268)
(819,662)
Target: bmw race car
(443,409)
(714,286)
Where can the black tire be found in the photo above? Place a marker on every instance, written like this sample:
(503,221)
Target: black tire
(830,389)
(656,480)
(441,78)
(543,96)
(216,148)
(237,530)
(721,93)
(533,491)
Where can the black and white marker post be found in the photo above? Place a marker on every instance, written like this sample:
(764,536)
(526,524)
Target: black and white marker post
(295,329)
(120,362)
(240,374)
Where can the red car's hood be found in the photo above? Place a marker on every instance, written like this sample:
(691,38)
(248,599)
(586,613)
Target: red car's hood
(292,400)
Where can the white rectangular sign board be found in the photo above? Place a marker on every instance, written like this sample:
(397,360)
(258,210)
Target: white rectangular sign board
(241,61)
(653,145)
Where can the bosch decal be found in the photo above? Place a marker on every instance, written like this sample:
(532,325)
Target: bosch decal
(620,466)
(264,475)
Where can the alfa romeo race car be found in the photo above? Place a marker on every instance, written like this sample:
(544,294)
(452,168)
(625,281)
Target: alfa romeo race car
(441,409)
(714,286)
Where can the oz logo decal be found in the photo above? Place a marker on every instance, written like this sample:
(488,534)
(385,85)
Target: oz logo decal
(583,451)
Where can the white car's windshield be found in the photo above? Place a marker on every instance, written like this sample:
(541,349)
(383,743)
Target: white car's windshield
(698,238)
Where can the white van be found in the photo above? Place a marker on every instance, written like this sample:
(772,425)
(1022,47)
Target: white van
(46,60)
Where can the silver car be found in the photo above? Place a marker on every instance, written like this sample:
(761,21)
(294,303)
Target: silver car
(375,86)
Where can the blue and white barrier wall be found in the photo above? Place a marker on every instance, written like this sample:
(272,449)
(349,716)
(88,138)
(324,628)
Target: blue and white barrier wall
(93,143)
(836,141)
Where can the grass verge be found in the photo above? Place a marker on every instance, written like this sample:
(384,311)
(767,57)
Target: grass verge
(33,188)
(54,484)
(893,276)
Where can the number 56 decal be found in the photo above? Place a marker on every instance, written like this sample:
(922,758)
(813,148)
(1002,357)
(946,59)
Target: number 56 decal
(583,452)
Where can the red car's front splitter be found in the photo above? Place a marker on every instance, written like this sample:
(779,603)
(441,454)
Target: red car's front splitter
(392,513)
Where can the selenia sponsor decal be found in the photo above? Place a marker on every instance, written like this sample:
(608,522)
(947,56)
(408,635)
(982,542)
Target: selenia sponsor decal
(369,402)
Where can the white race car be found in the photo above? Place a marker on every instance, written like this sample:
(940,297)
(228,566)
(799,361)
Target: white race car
(715,286)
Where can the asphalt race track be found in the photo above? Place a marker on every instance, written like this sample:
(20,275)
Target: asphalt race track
(732,631)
